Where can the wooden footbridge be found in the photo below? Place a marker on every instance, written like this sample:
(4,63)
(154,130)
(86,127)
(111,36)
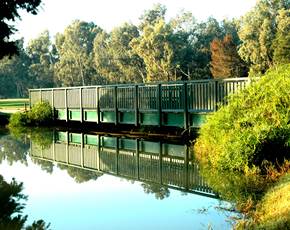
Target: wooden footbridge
(180,104)
(154,162)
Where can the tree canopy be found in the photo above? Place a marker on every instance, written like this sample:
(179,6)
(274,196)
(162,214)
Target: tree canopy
(225,60)
(9,11)
(260,30)
(155,49)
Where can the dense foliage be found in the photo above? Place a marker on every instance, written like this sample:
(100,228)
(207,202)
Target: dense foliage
(9,11)
(155,49)
(264,32)
(253,127)
(225,60)
(40,114)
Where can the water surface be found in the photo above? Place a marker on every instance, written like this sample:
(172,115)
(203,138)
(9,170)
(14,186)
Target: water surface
(80,181)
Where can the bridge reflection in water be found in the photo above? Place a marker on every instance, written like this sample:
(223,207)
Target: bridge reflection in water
(165,164)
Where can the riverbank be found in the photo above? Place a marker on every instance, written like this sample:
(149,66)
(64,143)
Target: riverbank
(273,210)
(11,106)
(250,137)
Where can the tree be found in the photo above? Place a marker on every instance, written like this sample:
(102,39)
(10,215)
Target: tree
(80,175)
(160,191)
(184,53)
(114,57)
(14,77)
(225,60)
(258,31)
(281,44)
(155,48)
(13,150)
(40,52)
(75,49)
(152,16)
(9,12)
(202,36)
(11,199)
(103,58)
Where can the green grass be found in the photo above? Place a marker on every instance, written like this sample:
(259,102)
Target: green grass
(273,211)
(17,103)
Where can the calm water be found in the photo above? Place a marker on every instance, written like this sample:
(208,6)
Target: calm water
(79,181)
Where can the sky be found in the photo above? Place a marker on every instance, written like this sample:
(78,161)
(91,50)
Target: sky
(56,15)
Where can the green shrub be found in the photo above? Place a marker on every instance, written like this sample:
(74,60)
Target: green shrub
(40,114)
(18,119)
(253,127)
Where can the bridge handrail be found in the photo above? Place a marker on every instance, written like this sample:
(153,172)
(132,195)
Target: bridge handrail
(149,83)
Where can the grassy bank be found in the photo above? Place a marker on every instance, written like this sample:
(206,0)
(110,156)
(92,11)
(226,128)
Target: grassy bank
(244,151)
(273,210)
(13,105)
(252,128)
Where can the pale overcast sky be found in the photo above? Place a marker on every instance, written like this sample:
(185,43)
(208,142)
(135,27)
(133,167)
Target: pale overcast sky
(55,15)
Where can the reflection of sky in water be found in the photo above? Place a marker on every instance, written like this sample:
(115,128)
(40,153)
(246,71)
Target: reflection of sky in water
(108,203)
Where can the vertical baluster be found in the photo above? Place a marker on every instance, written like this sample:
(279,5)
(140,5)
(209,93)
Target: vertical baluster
(116,105)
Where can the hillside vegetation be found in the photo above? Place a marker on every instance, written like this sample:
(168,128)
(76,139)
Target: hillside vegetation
(252,128)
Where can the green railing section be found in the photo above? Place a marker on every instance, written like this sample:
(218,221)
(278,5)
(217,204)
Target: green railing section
(166,164)
(181,104)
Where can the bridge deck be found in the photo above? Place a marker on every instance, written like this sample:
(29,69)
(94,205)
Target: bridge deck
(180,104)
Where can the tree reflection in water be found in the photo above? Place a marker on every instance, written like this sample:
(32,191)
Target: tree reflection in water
(12,205)
(80,175)
(13,150)
(160,191)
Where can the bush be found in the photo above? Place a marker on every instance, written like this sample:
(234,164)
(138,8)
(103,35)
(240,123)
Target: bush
(18,119)
(40,114)
(253,127)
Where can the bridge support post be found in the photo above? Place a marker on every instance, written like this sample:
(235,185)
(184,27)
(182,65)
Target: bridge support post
(82,150)
(53,146)
(98,105)
(99,154)
(81,106)
(185,110)
(66,106)
(215,86)
(137,159)
(67,147)
(159,104)
(160,162)
(186,162)
(116,105)
(52,104)
(136,106)
(117,155)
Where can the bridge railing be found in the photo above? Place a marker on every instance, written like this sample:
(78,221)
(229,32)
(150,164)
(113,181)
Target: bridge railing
(163,103)
(166,164)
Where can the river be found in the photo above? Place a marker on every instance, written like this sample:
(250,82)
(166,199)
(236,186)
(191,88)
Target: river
(91,181)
